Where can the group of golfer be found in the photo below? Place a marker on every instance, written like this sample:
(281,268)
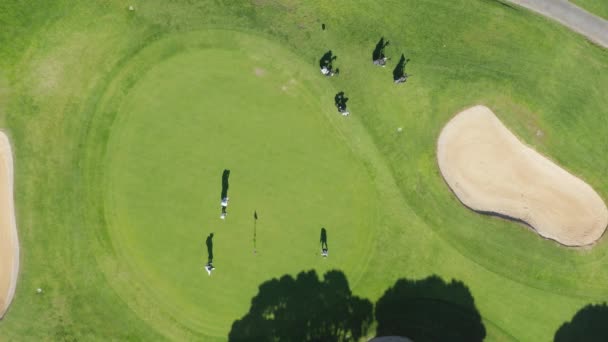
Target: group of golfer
(224,212)
(378,58)
(327,69)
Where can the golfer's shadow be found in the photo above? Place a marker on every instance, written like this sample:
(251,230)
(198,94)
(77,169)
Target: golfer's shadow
(379,50)
(399,70)
(225,176)
(327,59)
(323,238)
(209,243)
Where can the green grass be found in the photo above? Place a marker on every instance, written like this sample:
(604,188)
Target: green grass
(122,122)
(176,131)
(597,7)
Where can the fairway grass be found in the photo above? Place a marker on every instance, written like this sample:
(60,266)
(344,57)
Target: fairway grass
(122,122)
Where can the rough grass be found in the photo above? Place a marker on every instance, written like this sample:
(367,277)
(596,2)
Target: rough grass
(68,67)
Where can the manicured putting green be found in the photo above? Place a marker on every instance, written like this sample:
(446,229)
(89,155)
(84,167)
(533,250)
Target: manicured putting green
(185,120)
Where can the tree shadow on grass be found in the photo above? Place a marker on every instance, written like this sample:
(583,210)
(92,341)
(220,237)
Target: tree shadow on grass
(429,310)
(590,324)
(304,309)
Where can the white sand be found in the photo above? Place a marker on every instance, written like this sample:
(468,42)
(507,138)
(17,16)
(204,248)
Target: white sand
(9,244)
(490,170)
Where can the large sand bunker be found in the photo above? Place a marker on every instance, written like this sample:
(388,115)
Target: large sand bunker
(491,171)
(9,245)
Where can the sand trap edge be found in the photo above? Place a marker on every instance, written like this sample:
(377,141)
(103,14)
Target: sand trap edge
(7,154)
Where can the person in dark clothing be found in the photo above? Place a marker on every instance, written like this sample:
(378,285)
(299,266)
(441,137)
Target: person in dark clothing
(401,79)
(381,61)
(326,64)
(209,267)
(224,204)
(340,101)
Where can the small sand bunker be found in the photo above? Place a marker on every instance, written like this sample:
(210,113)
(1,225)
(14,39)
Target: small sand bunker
(491,171)
(9,244)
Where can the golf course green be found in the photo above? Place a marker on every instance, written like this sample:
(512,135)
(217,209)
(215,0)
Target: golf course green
(122,121)
(179,127)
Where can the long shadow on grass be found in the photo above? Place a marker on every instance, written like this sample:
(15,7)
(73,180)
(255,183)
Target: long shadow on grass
(304,309)
(209,243)
(590,324)
(379,49)
(429,310)
(399,70)
(225,176)
(323,238)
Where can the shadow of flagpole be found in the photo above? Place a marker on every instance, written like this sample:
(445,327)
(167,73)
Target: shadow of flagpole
(255,221)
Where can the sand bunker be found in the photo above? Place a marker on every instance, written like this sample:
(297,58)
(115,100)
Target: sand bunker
(9,244)
(491,171)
